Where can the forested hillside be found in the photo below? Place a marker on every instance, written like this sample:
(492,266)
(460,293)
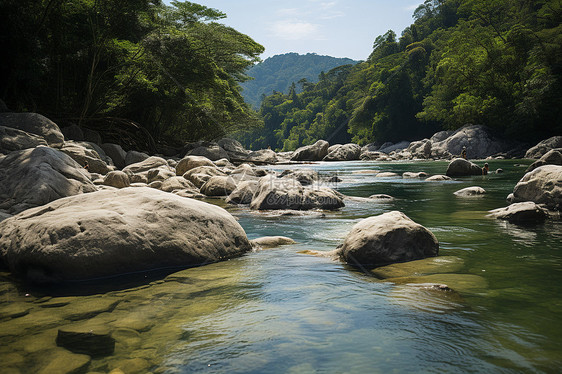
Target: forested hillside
(277,73)
(490,62)
(174,70)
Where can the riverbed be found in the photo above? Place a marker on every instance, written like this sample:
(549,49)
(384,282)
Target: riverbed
(285,311)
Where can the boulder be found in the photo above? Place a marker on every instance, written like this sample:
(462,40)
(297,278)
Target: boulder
(280,194)
(116,153)
(177,183)
(108,233)
(460,167)
(390,147)
(92,136)
(347,152)
(385,239)
(83,155)
(306,177)
(34,123)
(95,147)
(263,157)
(470,192)
(213,152)
(134,157)
(243,193)
(37,176)
(314,152)
(218,186)
(542,186)
(420,149)
(543,147)
(411,175)
(145,166)
(160,174)
(191,162)
(386,174)
(117,179)
(236,152)
(199,175)
(527,212)
(478,140)
(73,132)
(268,242)
(438,178)
(552,157)
(15,140)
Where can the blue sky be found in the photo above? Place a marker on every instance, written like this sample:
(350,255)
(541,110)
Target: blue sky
(327,27)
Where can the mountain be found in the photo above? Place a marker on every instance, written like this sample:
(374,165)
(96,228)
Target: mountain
(277,73)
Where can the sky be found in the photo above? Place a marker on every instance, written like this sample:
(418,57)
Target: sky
(338,28)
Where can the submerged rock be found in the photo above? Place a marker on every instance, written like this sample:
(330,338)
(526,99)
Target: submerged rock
(268,242)
(62,361)
(109,233)
(387,238)
(83,338)
(526,212)
(433,265)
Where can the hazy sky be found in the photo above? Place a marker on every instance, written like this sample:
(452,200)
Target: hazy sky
(339,28)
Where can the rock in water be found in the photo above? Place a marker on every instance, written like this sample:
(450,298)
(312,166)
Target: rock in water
(314,152)
(542,186)
(95,341)
(34,123)
(460,167)
(37,176)
(386,239)
(470,192)
(527,212)
(268,242)
(113,232)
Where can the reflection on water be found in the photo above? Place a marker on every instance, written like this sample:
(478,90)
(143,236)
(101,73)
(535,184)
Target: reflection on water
(281,311)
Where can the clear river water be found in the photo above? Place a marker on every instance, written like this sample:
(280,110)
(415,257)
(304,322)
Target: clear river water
(285,311)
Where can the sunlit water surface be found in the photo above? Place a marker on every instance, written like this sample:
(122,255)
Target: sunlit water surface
(287,312)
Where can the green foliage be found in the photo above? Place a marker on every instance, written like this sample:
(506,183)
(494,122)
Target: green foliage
(173,69)
(491,62)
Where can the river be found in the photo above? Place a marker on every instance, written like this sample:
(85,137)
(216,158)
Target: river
(284,311)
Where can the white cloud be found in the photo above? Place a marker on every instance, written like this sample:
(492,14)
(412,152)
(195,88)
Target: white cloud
(296,30)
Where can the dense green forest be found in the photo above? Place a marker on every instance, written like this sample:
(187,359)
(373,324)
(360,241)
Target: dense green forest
(173,70)
(491,62)
(277,73)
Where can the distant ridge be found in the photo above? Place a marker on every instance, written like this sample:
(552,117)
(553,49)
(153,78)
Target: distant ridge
(277,73)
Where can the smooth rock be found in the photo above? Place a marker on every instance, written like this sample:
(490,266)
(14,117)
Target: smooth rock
(526,212)
(386,174)
(145,166)
(15,140)
(410,175)
(83,155)
(542,186)
(268,242)
(263,156)
(212,152)
(191,162)
(61,361)
(314,152)
(219,186)
(176,184)
(199,175)
(117,179)
(347,152)
(433,265)
(243,193)
(438,178)
(552,157)
(381,197)
(34,123)
(470,192)
(134,157)
(386,239)
(460,167)
(116,153)
(35,177)
(108,233)
(73,132)
(544,147)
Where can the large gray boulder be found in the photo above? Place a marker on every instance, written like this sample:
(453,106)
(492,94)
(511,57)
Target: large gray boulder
(213,152)
(478,140)
(262,157)
(290,194)
(542,186)
(390,147)
(145,166)
(81,155)
(199,175)
(116,153)
(236,152)
(314,152)
(420,149)
(219,186)
(37,176)
(460,167)
(385,239)
(346,152)
(117,179)
(552,157)
(73,132)
(243,193)
(191,162)
(34,123)
(543,147)
(15,140)
(115,232)
(526,212)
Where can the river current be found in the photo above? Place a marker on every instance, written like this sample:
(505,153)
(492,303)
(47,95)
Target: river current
(285,311)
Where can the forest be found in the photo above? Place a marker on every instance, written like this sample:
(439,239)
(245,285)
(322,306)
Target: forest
(175,72)
(491,62)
